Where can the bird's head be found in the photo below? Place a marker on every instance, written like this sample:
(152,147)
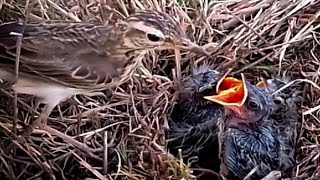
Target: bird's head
(149,29)
(244,103)
(202,80)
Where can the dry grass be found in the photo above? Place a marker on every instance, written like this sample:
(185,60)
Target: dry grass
(126,125)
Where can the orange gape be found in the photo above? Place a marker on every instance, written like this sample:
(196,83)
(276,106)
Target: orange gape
(230,92)
(227,83)
(262,85)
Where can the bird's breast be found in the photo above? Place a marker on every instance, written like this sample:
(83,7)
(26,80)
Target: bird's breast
(49,92)
(245,149)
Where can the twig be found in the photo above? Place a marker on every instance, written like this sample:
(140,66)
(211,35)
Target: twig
(105,152)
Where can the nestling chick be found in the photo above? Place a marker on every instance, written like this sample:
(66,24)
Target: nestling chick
(194,120)
(258,132)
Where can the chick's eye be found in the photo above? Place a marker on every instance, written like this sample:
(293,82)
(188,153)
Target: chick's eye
(253,105)
(153,37)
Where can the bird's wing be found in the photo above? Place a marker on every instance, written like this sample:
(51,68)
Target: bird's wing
(74,54)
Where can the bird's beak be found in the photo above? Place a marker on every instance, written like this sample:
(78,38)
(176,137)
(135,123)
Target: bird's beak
(263,85)
(231,92)
(185,44)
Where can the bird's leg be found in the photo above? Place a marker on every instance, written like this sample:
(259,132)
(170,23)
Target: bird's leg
(41,120)
(44,115)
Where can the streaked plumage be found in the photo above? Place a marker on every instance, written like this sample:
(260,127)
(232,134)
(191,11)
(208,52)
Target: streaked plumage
(257,137)
(191,111)
(266,135)
(61,59)
(193,126)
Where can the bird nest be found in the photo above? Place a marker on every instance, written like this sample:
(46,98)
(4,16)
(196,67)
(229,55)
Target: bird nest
(122,130)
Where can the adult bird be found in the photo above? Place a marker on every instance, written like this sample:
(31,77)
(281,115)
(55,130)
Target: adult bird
(61,59)
(260,129)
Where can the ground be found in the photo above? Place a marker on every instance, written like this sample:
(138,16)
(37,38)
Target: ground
(262,38)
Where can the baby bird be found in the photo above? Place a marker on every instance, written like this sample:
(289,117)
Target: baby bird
(194,120)
(260,129)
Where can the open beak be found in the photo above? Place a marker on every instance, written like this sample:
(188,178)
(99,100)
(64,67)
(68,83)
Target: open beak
(230,92)
(262,84)
(186,44)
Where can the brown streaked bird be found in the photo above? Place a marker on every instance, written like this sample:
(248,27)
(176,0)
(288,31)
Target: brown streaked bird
(62,59)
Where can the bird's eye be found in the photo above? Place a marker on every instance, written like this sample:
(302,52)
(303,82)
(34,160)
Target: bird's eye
(253,105)
(153,37)
(277,101)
